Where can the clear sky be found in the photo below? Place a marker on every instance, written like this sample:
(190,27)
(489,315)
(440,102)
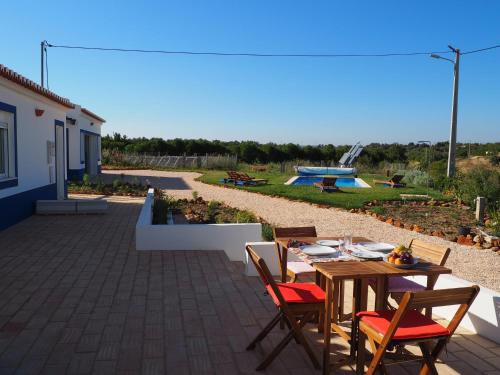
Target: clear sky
(307,101)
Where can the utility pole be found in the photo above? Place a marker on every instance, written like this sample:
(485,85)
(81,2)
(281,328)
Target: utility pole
(450,171)
(42,65)
(454,111)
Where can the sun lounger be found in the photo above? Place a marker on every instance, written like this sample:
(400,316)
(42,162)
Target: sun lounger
(245,179)
(394,182)
(232,176)
(328,184)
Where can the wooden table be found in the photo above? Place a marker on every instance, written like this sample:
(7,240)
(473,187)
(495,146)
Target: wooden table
(336,272)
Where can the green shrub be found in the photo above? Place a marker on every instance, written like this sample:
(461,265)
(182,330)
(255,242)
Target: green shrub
(479,182)
(86,179)
(494,225)
(195,195)
(116,184)
(245,217)
(417,177)
(267,232)
(379,210)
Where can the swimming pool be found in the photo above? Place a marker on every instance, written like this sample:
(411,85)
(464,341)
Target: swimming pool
(351,182)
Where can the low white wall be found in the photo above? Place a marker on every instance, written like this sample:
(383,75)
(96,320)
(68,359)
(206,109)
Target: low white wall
(267,251)
(483,317)
(228,237)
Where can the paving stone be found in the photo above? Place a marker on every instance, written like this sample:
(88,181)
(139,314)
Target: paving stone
(85,301)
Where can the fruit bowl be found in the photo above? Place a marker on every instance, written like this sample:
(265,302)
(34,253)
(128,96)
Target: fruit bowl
(403,265)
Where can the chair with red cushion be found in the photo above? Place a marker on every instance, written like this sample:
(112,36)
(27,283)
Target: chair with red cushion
(297,304)
(406,325)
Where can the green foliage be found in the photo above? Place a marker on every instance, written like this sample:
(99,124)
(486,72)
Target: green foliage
(479,182)
(195,195)
(417,177)
(495,160)
(267,232)
(116,184)
(254,152)
(245,217)
(379,210)
(494,225)
(86,179)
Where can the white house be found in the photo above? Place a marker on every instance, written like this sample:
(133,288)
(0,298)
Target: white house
(32,146)
(83,134)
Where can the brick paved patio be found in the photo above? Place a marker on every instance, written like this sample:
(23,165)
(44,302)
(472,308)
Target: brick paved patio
(76,298)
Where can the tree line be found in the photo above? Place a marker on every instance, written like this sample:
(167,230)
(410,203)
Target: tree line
(254,152)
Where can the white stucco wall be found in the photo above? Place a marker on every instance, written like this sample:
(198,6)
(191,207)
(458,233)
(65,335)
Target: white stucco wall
(32,135)
(83,123)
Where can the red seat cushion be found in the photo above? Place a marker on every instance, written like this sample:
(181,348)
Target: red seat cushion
(298,293)
(413,326)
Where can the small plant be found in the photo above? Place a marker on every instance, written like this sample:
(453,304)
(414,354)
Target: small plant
(195,195)
(267,232)
(379,210)
(117,184)
(86,180)
(245,217)
(493,223)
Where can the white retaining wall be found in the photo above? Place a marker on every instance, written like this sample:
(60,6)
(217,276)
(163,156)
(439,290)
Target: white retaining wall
(228,237)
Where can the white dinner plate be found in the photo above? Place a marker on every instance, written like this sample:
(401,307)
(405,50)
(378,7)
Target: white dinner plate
(317,250)
(376,246)
(329,243)
(363,254)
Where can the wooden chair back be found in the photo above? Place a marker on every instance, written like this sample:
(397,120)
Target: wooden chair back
(291,232)
(294,232)
(265,274)
(397,178)
(433,253)
(329,181)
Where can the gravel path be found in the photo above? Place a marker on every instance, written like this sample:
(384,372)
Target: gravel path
(480,266)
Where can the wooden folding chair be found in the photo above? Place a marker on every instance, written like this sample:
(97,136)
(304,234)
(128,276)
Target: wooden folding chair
(387,329)
(297,304)
(296,268)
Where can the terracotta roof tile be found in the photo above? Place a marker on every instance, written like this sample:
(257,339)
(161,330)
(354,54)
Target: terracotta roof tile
(35,87)
(93,115)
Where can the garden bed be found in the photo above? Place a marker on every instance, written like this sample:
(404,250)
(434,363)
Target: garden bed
(229,237)
(116,188)
(451,220)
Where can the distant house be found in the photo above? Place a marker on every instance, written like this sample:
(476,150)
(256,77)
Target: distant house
(32,146)
(83,132)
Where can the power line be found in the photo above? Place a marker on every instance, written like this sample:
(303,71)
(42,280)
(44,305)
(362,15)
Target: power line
(480,50)
(247,54)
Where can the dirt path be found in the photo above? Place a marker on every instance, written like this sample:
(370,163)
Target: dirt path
(481,266)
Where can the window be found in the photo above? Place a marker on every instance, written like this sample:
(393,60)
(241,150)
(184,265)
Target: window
(4,150)
(8,156)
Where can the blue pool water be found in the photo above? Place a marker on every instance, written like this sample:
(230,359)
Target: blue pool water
(341,181)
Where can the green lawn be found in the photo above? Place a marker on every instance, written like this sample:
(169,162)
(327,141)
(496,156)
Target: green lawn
(346,198)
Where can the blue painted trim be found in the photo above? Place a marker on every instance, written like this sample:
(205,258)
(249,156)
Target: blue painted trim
(20,206)
(11,182)
(88,132)
(11,109)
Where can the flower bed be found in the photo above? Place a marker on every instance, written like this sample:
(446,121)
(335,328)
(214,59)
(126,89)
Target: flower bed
(451,220)
(229,237)
(120,188)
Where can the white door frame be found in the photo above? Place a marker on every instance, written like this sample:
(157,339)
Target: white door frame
(59,160)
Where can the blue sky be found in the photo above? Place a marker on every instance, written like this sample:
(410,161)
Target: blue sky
(307,101)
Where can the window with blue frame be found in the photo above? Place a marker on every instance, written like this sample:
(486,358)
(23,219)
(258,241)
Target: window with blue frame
(8,168)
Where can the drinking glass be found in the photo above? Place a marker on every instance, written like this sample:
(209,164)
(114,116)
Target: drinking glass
(347,240)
